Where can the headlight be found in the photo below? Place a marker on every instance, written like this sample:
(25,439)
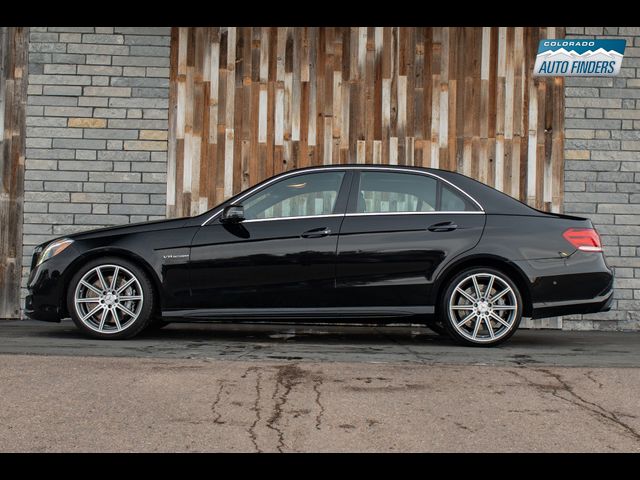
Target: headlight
(53,249)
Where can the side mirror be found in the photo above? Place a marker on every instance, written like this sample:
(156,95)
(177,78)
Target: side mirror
(232,214)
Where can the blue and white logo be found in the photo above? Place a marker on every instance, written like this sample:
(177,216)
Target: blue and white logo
(579,58)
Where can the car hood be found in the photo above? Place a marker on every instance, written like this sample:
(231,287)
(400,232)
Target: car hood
(154,225)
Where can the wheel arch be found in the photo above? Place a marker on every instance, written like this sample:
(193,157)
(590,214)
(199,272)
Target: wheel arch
(128,255)
(499,263)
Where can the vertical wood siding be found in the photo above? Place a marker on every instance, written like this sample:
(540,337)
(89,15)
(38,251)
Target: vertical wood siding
(13,97)
(247,103)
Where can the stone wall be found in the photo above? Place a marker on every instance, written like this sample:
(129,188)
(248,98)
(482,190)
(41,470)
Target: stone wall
(96,129)
(602,171)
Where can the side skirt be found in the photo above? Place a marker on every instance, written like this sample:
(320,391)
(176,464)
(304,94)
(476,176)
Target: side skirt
(326,313)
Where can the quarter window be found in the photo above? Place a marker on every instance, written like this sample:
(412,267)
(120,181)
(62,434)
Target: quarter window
(389,192)
(300,195)
(452,201)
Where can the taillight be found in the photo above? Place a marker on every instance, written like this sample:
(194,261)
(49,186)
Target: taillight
(585,239)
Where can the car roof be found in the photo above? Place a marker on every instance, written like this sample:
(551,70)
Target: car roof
(367,166)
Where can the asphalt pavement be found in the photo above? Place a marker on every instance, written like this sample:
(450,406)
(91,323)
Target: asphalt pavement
(349,344)
(282,388)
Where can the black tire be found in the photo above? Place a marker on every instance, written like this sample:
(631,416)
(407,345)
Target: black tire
(482,308)
(134,325)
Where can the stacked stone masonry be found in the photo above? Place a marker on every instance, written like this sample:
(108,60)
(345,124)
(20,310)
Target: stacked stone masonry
(602,172)
(96,129)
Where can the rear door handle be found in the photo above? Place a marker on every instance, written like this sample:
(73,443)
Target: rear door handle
(317,232)
(442,227)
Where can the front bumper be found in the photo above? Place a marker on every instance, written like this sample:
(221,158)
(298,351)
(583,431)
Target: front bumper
(45,300)
(41,311)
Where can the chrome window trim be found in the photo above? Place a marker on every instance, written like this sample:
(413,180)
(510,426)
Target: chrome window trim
(342,167)
(297,217)
(439,212)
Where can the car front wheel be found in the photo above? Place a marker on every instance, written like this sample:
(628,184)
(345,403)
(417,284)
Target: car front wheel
(110,298)
(481,307)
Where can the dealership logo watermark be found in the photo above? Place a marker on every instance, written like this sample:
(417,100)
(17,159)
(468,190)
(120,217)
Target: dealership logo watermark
(579,58)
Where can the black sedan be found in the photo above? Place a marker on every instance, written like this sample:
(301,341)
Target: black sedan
(332,244)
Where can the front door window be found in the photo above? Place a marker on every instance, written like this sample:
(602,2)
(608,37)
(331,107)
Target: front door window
(297,196)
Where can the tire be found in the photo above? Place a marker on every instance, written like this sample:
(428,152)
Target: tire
(491,317)
(120,311)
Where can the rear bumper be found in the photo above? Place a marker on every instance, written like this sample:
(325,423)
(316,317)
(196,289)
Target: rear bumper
(579,284)
(572,307)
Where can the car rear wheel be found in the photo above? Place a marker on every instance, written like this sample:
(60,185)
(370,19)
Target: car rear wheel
(110,298)
(481,307)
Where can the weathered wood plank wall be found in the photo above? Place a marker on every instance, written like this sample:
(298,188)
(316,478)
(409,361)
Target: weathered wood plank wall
(13,98)
(247,103)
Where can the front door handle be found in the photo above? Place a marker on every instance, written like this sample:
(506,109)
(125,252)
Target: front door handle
(442,227)
(317,232)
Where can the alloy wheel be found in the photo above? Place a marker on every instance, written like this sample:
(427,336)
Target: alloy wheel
(483,308)
(108,299)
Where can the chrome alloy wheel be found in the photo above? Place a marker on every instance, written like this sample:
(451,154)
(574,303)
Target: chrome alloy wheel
(108,299)
(483,308)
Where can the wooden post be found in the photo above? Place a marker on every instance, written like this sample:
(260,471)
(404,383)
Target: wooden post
(13,98)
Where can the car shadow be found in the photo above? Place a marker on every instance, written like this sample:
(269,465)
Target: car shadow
(195,334)
(351,334)
(320,343)
(257,332)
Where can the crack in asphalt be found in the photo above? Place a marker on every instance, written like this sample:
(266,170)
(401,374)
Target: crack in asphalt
(256,408)
(601,413)
(461,426)
(589,375)
(288,376)
(418,356)
(317,382)
(214,405)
